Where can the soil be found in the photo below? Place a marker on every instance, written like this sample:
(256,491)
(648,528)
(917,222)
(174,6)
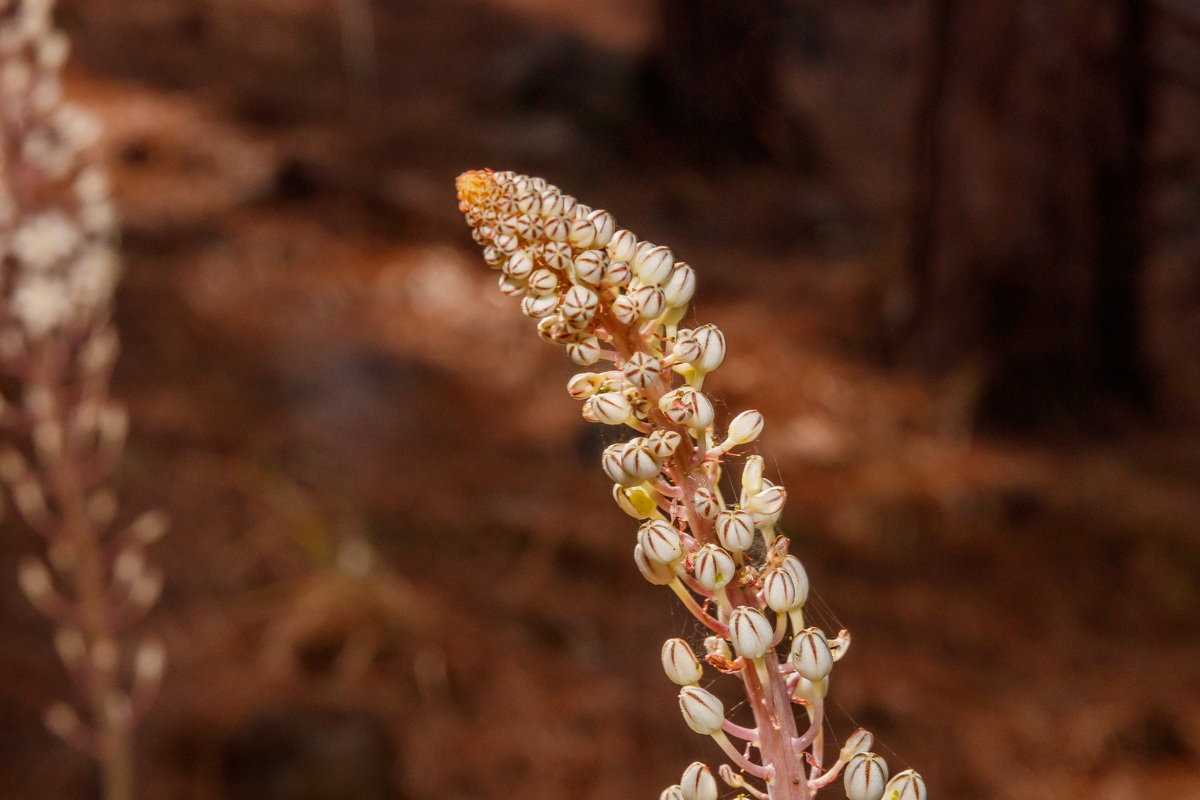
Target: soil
(395,569)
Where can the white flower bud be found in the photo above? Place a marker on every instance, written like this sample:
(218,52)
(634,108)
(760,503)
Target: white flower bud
(556,229)
(519,265)
(507,243)
(680,286)
(858,742)
(558,255)
(580,303)
(585,352)
(552,203)
(610,462)
(35,581)
(653,265)
(735,530)
(779,591)
(584,385)
(625,309)
(590,266)
(698,783)
(663,443)
(660,542)
(582,233)
(512,287)
(907,785)
(686,406)
(799,576)
(653,571)
(750,632)
(542,282)
(622,246)
(751,475)
(639,462)
(744,428)
(716,646)
(810,655)
(538,307)
(686,348)
(642,370)
(611,408)
(605,226)
(671,793)
(866,776)
(767,502)
(617,273)
(529,203)
(701,709)
(705,501)
(712,347)
(713,567)
(492,257)
(650,301)
(680,663)
(528,227)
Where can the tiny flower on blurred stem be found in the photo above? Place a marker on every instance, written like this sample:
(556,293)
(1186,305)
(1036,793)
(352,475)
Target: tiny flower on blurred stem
(617,302)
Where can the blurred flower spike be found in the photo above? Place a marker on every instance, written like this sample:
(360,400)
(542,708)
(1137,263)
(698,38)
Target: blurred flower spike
(63,433)
(617,304)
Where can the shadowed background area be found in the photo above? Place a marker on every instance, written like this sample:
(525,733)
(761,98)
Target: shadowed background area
(953,245)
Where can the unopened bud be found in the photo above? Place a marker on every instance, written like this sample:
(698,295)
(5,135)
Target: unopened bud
(768,502)
(652,265)
(61,720)
(752,476)
(144,591)
(680,663)
(128,565)
(611,463)
(779,591)
(651,302)
(796,570)
(35,581)
(712,347)
(750,632)
(580,304)
(671,793)
(657,573)
(605,227)
(660,542)
(866,777)
(622,246)
(590,266)
(713,567)
(680,286)
(625,309)
(701,709)
(744,428)
(642,370)
(858,742)
(586,351)
(584,385)
(663,443)
(706,503)
(70,646)
(810,655)
(617,273)
(639,462)
(907,785)
(735,530)
(698,783)
(538,307)
(150,662)
(611,408)
(582,233)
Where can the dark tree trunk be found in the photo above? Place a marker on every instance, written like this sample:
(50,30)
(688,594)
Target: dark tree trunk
(1025,238)
(712,82)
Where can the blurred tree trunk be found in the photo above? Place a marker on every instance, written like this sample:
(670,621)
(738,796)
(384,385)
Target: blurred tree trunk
(1025,241)
(712,77)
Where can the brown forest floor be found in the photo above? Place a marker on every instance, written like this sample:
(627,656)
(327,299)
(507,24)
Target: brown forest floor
(321,375)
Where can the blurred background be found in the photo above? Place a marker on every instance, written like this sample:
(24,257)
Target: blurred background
(953,244)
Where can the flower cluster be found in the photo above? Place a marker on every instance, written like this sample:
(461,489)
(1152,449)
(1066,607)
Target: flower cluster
(59,226)
(611,299)
(64,434)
